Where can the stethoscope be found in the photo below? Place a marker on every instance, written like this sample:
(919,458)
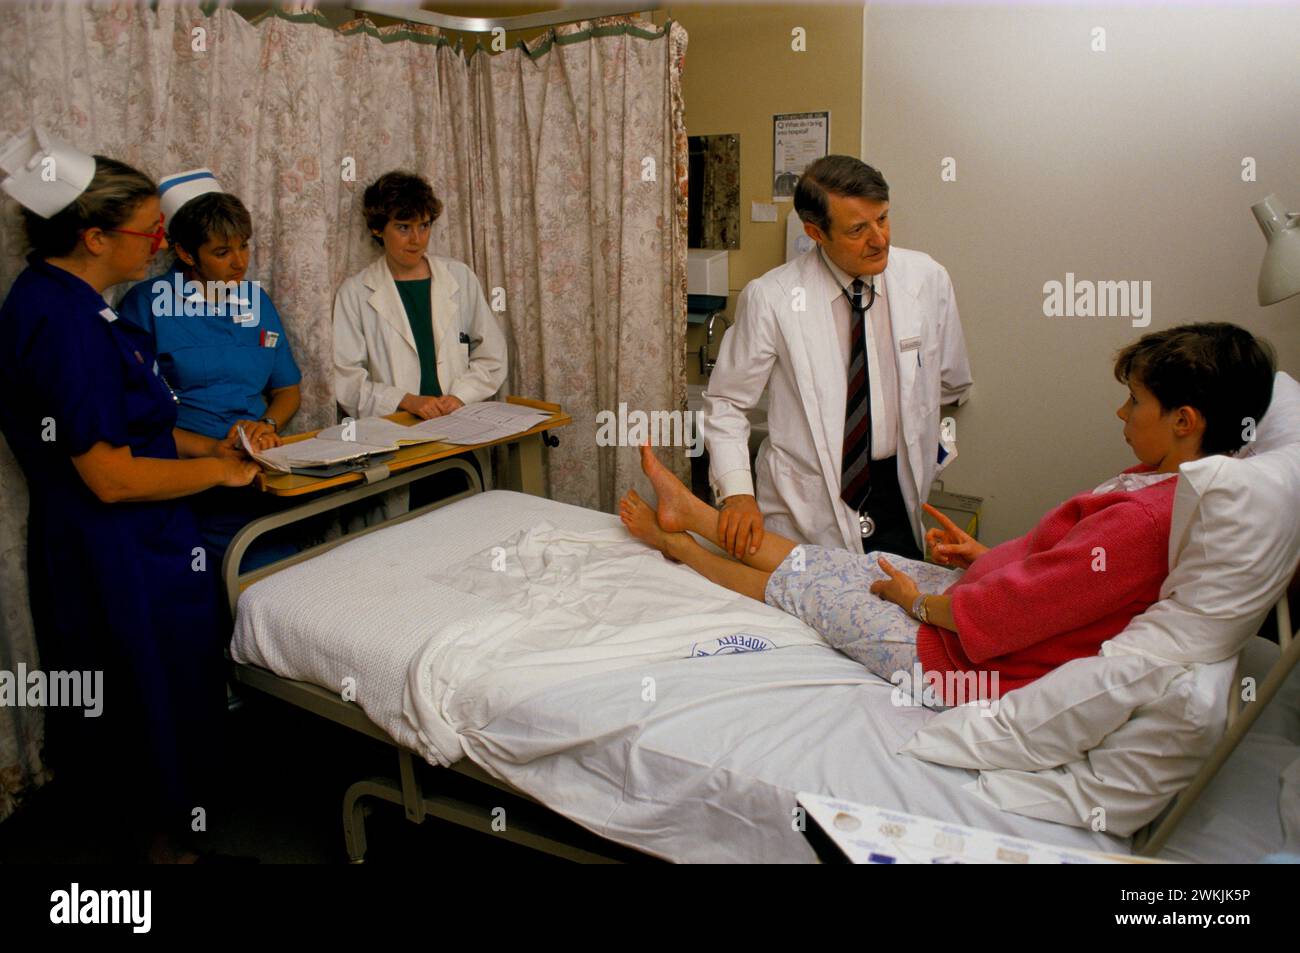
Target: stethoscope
(866,525)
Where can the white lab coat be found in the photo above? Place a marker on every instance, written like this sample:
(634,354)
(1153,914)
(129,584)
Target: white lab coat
(376,363)
(799,354)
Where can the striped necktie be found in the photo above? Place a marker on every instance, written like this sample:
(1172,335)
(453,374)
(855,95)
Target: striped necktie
(855,469)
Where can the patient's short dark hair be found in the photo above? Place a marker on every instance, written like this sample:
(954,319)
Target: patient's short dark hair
(1224,371)
(398,196)
(842,175)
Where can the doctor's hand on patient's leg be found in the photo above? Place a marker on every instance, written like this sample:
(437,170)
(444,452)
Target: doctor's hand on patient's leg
(740,526)
(643,522)
(679,509)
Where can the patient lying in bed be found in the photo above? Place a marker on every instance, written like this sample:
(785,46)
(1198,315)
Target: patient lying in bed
(1002,617)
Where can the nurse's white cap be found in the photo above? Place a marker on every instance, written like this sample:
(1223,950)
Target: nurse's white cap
(45,174)
(176,190)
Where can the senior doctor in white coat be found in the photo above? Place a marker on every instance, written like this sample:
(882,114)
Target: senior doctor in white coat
(794,331)
(412,330)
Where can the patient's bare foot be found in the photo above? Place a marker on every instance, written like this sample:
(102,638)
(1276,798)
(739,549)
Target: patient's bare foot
(676,502)
(640,521)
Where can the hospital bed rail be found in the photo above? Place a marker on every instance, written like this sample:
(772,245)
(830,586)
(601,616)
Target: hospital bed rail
(1241,715)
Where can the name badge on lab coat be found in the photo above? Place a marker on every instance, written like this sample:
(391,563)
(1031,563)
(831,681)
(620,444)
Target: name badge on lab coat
(909,344)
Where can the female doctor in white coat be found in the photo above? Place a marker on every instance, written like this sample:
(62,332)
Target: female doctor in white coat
(412,331)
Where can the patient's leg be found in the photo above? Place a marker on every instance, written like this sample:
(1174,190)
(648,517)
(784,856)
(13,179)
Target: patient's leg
(641,522)
(680,509)
(831,593)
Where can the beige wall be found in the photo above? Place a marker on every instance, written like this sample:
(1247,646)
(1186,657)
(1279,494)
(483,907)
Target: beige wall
(1124,164)
(740,71)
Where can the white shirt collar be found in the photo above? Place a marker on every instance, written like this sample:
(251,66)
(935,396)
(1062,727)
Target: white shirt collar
(198,297)
(1128,482)
(845,280)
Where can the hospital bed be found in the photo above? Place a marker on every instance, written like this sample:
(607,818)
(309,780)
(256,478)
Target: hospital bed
(707,773)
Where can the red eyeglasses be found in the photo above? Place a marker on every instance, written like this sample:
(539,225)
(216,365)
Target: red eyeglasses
(157,237)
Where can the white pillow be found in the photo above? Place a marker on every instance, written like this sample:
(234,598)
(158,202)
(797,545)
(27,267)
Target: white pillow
(1281,423)
(1136,771)
(1053,721)
(1234,546)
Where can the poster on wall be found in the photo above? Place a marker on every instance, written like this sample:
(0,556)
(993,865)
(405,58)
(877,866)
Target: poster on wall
(797,140)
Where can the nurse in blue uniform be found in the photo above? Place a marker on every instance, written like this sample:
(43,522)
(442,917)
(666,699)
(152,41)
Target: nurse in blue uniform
(119,579)
(221,345)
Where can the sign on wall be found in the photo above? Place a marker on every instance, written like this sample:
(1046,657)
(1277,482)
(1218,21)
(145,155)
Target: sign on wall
(798,139)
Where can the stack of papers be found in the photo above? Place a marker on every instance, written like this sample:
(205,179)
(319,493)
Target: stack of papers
(354,440)
(312,452)
(481,423)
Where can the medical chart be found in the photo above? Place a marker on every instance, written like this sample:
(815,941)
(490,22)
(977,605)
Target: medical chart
(353,439)
(312,452)
(375,432)
(872,835)
(481,423)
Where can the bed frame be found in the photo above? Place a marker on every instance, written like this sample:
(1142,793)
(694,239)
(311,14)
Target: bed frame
(541,828)
(1148,841)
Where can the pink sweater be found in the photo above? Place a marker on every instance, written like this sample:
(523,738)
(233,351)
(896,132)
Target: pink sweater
(1035,602)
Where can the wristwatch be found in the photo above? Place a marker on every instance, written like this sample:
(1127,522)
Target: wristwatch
(918,609)
(272,422)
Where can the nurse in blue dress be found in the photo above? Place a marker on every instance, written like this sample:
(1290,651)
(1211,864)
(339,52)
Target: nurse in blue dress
(119,579)
(221,344)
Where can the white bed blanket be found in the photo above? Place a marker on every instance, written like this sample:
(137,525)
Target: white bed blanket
(569,605)
(431,632)
(352,620)
(708,771)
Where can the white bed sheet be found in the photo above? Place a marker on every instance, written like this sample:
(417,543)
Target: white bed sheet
(708,771)
(564,603)
(704,770)
(352,619)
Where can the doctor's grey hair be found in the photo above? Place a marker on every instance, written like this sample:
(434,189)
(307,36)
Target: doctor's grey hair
(842,175)
(112,197)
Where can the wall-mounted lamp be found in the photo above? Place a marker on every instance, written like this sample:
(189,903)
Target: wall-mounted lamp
(1279,278)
